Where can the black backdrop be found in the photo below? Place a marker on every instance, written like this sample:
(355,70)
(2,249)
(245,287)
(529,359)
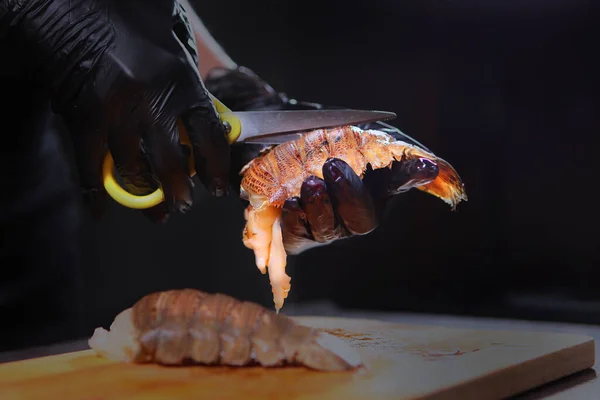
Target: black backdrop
(506,91)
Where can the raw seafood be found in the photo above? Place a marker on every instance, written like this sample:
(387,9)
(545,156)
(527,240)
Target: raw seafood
(277,175)
(180,326)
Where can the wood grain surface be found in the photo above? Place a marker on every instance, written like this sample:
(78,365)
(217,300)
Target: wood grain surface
(402,362)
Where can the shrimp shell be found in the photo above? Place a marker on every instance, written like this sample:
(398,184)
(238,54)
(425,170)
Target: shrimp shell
(184,326)
(277,175)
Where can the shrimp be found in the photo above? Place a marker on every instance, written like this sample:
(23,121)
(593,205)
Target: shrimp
(278,173)
(188,326)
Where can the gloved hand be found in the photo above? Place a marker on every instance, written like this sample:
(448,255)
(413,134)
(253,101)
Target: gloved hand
(121,74)
(336,207)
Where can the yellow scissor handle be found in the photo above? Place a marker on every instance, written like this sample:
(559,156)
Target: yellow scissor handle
(123,197)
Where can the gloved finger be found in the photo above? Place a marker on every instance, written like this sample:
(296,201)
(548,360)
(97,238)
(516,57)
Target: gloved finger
(90,148)
(199,115)
(134,170)
(295,229)
(160,212)
(410,173)
(401,177)
(164,152)
(351,200)
(210,147)
(130,162)
(293,220)
(316,203)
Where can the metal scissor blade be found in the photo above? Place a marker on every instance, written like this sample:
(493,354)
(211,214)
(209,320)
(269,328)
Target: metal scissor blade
(275,127)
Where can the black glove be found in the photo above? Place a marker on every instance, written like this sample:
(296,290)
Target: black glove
(340,205)
(122,73)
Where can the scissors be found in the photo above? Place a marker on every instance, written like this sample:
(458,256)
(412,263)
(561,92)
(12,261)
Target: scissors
(266,127)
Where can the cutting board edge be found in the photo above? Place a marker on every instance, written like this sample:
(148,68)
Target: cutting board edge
(470,390)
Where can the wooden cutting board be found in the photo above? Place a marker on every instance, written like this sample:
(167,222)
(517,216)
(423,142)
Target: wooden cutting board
(403,362)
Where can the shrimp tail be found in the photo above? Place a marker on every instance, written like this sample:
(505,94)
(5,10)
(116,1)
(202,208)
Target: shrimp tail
(447,186)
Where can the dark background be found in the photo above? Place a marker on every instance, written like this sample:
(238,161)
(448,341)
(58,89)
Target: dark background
(505,91)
